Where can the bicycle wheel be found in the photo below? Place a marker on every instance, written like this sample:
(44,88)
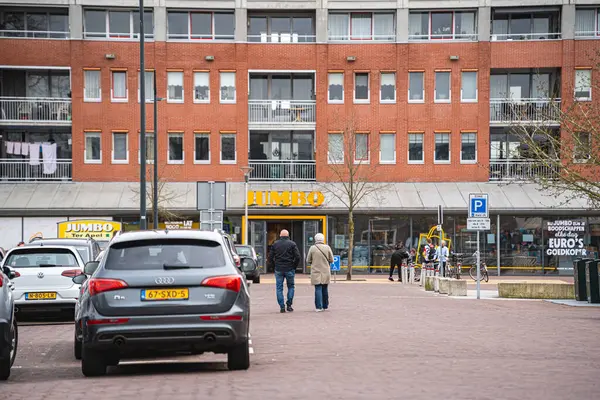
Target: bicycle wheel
(486,277)
(473,273)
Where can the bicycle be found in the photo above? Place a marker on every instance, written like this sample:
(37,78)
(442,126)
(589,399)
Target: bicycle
(454,266)
(483,271)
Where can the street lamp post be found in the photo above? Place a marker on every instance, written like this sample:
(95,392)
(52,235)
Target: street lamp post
(246,171)
(155,155)
(143,211)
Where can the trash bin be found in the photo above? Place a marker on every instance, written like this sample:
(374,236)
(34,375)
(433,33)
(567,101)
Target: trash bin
(580,281)
(591,280)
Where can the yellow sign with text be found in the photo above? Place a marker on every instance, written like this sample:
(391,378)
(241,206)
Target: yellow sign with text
(285,199)
(84,228)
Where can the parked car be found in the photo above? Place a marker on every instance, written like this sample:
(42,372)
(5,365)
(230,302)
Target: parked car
(250,269)
(160,293)
(230,246)
(45,274)
(9,333)
(88,248)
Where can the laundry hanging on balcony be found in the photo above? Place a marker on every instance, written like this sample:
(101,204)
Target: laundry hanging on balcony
(34,153)
(10,147)
(24,149)
(17,148)
(49,154)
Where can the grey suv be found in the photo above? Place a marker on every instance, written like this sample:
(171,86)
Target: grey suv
(159,293)
(8,323)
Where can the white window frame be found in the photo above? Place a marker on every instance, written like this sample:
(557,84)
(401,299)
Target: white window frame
(380,88)
(381,161)
(449,99)
(329,100)
(331,160)
(189,38)
(589,98)
(196,74)
(476,149)
(112,150)
(221,100)
(368,99)
(417,101)
(589,156)
(366,160)
(595,34)
(148,161)
(151,100)
(372,38)
(169,136)
(435,136)
(207,135)
(454,34)
(227,135)
(87,135)
(114,99)
(107,34)
(422,160)
(169,99)
(476,99)
(92,99)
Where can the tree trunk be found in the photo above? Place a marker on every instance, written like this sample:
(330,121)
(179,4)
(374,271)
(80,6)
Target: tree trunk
(350,244)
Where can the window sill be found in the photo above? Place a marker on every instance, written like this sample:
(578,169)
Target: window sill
(387,162)
(202,162)
(416,161)
(441,162)
(229,162)
(335,162)
(362,101)
(387,101)
(175,101)
(227,101)
(92,162)
(119,100)
(201,101)
(583,99)
(437,101)
(175,162)
(362,162)
(468,162)
(119,161)
(416,101)
(335,101)
(92,100)
(468,101)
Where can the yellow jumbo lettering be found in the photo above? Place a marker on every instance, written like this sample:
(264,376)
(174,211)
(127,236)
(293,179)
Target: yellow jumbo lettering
(298,199)
(279,199)
(315,199)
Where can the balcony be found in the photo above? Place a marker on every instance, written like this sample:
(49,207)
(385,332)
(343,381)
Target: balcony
(524,111)
(283,170)
(503,170)
(20,170)
(35,111)
(282,112)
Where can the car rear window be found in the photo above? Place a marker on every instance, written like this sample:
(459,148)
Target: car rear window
(155,254)
(41,257)
(244,251)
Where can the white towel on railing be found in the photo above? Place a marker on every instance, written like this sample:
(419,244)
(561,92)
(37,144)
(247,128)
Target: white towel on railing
(17,148)
(9,147)
(34,153)
(49,154)
(24,149)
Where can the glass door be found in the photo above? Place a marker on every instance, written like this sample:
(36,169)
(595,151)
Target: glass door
(257,236)
(311,228)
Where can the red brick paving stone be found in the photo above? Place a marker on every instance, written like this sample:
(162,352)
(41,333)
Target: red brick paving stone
(378,341)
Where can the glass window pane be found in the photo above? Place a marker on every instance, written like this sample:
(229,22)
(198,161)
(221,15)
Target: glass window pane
(336,87)
(465,25)
(387,146)
(302,87)
(336,147)
(91,84)
(418,25)
(227,147)
(519,86)
(175,86)
(360,26)
(201,25)
(59,26)
(415,89)
(175,147)
(338,26)
(520,25)
(583,81)
(281,87)
(228,86)
(468,147)
(119,24)
(120,146)
(281,25)
(441,25)
(37,23)
(361,86)
(442,85)
(469,85)
(388,86)
(119,84)
(384,26)
(257,29)
(415,147)
(585,20)
(177,25)
(149,147)
(224,26)
(201,86)
(442,147)
(92,146)
(148,23)
(303,29)
(202,147)
(361,151)
(95,23)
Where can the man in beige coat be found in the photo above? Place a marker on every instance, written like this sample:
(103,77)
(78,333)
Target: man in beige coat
(320,258)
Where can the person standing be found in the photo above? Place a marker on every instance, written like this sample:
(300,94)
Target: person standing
(443,258)
(396,260)
(284,256)
(320,258)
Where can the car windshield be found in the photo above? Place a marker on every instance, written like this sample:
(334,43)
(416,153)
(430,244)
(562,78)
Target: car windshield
(41,257)
(160,253)
(244,251)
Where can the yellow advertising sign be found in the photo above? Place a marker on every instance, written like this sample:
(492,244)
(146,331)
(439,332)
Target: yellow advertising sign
(83,228)
(285,199)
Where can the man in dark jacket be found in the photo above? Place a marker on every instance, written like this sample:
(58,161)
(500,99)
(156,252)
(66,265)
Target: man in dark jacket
(284,256)
(397,259)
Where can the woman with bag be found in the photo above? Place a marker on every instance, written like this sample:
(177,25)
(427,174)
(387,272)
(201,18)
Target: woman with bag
(320,258)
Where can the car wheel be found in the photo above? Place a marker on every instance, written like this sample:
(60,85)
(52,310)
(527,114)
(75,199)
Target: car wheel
(256,279)
(93,362)
(8,358)
(238,357)
(77,346)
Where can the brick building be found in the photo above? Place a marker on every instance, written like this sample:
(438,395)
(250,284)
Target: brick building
(431,90)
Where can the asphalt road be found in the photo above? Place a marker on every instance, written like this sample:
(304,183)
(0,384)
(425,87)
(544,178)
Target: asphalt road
(379,340)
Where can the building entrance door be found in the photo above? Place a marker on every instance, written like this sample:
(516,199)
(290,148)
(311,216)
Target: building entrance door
(257,241)
(311,228)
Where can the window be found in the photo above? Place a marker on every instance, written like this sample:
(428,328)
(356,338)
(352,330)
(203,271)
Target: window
(281,29)
(416,89)
(116,24)
(227,87)
(202,148)
(387,91)
(201,87)
(228,150)
(379,26)
(510,24)
(582,146)
(387,148)
(120,152)
(149,86)
(201,25)
(442,148)
(468,86)
(585,22)
(149,148)
(175,87)
(93,148)
(583,84)
(442,25)
(92,85)
(442,87)
(335,152)
(336,87)
(415,148)
(361,147)
(468,147)
(361,87)
(175,152)
(35,24)
(119,91)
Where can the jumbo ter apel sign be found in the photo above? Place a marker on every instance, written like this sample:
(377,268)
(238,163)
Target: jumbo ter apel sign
(95,229)
(568,238)
(285,199)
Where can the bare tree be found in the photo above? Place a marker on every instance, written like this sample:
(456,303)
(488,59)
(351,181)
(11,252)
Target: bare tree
(352,171)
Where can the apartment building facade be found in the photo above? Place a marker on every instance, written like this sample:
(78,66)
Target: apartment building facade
(431,90)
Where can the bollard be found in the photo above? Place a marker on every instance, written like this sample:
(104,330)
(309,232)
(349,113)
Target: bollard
(436,283)
(411,273)
(423,275)
(404,275)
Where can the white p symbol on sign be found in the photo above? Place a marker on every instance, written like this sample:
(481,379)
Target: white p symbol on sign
(478,204)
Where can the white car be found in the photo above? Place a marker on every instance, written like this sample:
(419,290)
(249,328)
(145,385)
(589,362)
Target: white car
(45,277)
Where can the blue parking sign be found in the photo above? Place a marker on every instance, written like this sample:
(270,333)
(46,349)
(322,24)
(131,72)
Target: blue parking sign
(335,265)
(478,205)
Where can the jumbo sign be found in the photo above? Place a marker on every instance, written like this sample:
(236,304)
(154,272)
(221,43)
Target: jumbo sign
(96,229)
(285,199)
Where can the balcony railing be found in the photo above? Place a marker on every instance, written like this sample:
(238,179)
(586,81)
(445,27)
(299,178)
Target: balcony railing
(520,170)
(21,170)
(34,34)
(587,34)
(526,36)
(281,38)
(275,112)
(443,37)
(26,110)
(283,170)
(519,111)
(390,37)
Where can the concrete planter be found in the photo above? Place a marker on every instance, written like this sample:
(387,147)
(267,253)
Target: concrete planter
(429,283)
(534,290)
(444,285)
(457,287)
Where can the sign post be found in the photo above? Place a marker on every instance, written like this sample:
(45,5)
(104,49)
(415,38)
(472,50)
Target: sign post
(478,220)
(335,266)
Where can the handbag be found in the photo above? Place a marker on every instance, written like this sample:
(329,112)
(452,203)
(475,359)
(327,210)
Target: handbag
(326,258)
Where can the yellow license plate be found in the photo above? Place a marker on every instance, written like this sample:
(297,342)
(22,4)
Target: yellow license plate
(40,296)
(165,294)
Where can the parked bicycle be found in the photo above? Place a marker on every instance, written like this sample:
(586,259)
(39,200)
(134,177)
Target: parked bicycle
(483,271)
(454,266)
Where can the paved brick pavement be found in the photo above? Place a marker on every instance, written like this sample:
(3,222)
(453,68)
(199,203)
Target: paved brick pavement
(378,341)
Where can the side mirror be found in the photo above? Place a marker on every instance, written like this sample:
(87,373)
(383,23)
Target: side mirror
(90,267)
(247,264)
(12,274)
(79,279)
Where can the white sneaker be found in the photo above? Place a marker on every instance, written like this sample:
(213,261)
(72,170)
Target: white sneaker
(319,310)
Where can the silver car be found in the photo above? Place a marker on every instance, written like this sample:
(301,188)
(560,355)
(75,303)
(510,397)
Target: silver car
(161,293)
(9,335)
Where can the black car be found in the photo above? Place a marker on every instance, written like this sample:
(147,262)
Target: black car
(251,270)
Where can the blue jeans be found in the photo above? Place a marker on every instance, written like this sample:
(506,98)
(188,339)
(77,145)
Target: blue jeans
(289,278)
(321,297)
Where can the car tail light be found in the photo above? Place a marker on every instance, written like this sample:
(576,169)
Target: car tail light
(107,321)
(17,274)
(238,261)
(221,317)
(1,280)
(99,285)
(229,282)
(72,273)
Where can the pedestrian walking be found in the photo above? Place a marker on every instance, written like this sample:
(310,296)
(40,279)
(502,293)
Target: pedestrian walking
(443,258)
(320,258)
(397,259)
(285,256)
(430,255)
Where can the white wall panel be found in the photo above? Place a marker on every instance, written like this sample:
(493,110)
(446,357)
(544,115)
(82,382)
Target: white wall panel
(10,232)
(46,225)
